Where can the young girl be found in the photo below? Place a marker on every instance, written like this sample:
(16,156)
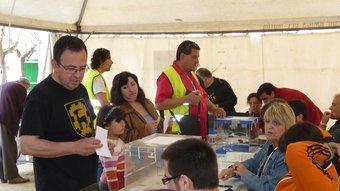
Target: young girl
(112,119)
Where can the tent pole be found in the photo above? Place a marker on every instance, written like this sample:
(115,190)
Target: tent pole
(78,24)
(9,24)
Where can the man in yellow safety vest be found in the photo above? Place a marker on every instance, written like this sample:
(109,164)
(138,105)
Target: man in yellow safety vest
(179,90)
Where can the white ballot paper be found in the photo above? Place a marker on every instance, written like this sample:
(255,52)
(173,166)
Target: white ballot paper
(163,140)
(166,123)
(237,156)
(101,134)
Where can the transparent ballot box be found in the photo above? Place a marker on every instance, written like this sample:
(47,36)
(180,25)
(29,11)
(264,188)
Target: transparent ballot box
(232,130)
(143,163)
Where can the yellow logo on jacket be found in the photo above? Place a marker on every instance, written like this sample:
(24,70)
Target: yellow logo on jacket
(80,118)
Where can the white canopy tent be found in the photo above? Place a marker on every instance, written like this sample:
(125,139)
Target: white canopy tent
(308,62)
(169,16)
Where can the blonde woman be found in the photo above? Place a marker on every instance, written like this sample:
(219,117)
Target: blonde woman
(267,167)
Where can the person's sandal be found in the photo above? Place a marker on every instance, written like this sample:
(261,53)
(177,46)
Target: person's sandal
(18,180)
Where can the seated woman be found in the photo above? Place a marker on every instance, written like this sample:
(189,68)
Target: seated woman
(308,160)
(141,118)
(255,103)
(267,167)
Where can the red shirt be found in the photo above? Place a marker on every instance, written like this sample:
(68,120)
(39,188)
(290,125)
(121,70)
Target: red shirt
(314,114)
(165,91)
(12,100)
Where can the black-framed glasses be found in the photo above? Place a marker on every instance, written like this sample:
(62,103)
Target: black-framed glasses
(72,69)
(166,179)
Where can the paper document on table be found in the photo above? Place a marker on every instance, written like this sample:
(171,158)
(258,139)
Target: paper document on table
(101,134)
(138,188)
(237,156)
(239,118)
(163,140)
(234,183)
(262,137)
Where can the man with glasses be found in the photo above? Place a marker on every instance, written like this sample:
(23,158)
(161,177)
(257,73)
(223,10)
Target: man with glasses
(190,164)
(179,90)
(57,127)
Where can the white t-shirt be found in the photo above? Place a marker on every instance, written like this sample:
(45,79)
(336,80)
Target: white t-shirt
(98,85)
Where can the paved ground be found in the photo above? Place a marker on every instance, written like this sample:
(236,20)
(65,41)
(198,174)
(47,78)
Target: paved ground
(26,171)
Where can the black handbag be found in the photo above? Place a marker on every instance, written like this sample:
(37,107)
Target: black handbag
(189,125)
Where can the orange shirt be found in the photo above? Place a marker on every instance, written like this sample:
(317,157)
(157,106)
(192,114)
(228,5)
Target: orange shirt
(309,168)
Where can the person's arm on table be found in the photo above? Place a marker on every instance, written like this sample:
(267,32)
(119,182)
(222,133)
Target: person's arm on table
(217,111)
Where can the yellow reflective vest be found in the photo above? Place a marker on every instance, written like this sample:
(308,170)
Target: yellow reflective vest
(179,90)
(88,83)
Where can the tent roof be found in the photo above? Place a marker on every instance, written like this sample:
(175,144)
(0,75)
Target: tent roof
(170,16)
